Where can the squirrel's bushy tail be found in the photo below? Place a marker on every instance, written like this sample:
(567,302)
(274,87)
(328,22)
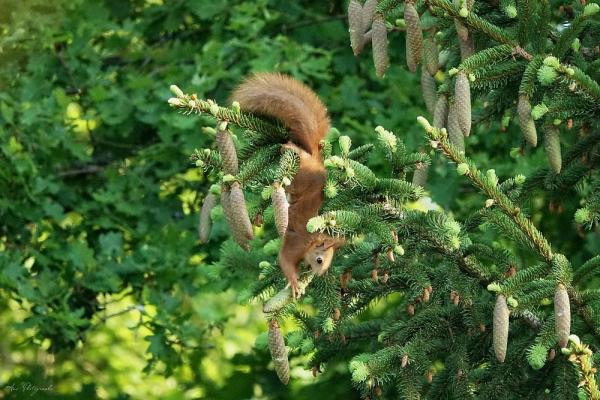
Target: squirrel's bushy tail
(290,101)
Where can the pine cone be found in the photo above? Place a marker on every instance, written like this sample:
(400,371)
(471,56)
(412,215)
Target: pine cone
(455,136)
(431,55)
(278,352)
(461,29)
(239,211)
(420,176)
(227,151)
(467,48)
(552,147)
(562,315)
(227,212)
(462,95)
(204,223)
(429,90)
(356,26)
(500,328)
(526,120)
(380,45)
(414,36)
(280,209)
(368,11)
(440,114)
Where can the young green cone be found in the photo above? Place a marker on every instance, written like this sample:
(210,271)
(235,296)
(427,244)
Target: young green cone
(227,150)
(279,352)
(280,209)
(429,90)
(500,328)
(526,120)
(414,36)
(204,223)
(562,315)
(462,96)
(356,26)
(552,147)
(380,45)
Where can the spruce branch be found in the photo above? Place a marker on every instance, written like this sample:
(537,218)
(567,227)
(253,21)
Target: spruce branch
(466,167)
(582,358)
(475,22)
(491,189)
(190,104)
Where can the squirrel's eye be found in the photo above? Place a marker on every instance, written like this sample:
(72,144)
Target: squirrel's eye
(319,260)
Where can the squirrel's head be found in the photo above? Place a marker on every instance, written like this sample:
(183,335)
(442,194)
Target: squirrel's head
(321,252)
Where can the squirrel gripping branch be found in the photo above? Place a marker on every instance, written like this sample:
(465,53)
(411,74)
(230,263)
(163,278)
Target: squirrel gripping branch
(299,108)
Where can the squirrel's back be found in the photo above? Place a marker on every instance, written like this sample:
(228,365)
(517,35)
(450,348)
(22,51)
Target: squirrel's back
(288,100)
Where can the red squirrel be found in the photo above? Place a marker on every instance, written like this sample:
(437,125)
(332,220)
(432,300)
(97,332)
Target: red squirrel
(303,113)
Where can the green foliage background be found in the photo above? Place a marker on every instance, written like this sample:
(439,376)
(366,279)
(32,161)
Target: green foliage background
(105,291)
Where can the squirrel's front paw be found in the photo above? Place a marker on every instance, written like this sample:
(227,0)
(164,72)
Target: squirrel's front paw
(297,291)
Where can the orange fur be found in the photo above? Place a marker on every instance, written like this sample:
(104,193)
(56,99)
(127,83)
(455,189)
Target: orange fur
(299,108)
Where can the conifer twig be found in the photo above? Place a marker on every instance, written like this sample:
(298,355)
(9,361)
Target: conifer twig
(190,104)
(493,192)
(440,141)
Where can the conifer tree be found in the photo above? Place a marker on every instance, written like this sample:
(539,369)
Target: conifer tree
(465,318)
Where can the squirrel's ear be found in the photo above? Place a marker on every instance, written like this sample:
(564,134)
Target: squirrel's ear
(336,243)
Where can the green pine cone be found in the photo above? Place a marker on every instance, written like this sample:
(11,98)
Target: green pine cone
(462,95)
(440,114)
(429,90)
(552,147)
(536,356)
(547,75)
(420,176)
(279,352)
(356,26)
(227,151)
(204,223)
(380,45)
(240,212)
(280,209)
(500,334)
(431,55)
(414,36)
(526,120)
(562,315)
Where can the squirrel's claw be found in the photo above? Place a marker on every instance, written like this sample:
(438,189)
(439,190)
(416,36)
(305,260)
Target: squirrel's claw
(295,288)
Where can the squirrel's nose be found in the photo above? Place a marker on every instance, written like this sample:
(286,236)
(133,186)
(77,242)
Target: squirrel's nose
(319,260)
